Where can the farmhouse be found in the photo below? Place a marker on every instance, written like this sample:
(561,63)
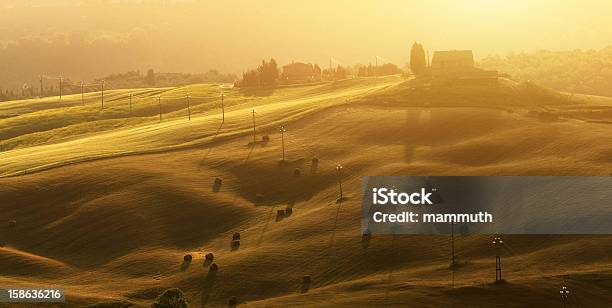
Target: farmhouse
(298,72)
(457,66)
(452,63)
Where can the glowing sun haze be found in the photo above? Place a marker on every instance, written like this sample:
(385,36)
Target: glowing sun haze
(192,35)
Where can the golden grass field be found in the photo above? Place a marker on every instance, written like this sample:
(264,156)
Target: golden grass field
(108,202)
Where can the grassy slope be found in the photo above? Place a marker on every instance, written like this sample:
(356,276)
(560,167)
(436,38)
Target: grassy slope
(46,138)
(118,228)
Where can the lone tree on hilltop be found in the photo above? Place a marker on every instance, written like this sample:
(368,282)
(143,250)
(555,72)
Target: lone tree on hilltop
(418,65)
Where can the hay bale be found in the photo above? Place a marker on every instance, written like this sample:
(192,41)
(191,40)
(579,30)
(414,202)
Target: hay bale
(306,281)
(236,236)
(366,235)
(296,172)
(12,224)
(235,244)
(217,185)
(209,257)
(259,197)
(187,258)
(213,268)
(233,302)
(280,214)
(288,211)
(265,138)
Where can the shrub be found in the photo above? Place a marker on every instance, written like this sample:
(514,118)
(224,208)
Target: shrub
(171,298)
(187,258)
(12,224)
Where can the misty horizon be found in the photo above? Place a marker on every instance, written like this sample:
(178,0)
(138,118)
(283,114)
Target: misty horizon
(84,40)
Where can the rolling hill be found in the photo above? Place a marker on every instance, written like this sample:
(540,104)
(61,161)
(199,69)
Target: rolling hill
(107,201)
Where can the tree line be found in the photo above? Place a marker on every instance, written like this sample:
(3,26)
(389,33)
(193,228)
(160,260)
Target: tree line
(378,70)
(265,74)
(577,71)
(269,73)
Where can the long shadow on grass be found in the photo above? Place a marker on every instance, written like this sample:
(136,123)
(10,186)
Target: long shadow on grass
(208,287)
(210,147)
(388,284)
(333,235)
(260,239)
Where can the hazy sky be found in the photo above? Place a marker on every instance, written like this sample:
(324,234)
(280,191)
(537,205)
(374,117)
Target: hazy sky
(234,35)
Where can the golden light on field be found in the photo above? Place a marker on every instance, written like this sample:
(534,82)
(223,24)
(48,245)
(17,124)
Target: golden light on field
(142,140)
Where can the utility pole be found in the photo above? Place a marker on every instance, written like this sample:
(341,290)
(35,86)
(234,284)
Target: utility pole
(130,103)
(102,94)
(41,87)
(339,174)
(222,107)
(160,107)
(189,105)
(453,262)
(497,241)
(564,294)
(253,112)
(82,98)
(60,88)
(282,131)
(376,67)
(453,258)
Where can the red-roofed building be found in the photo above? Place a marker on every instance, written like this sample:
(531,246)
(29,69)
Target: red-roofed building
(298,72)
